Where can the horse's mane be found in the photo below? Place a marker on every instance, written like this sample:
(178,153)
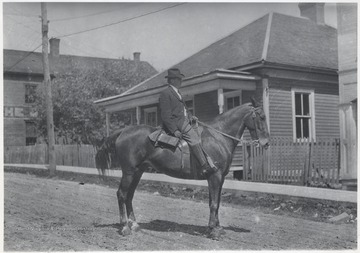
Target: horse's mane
(222,118)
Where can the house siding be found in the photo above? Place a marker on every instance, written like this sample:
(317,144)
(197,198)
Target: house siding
(347,47)
(326,112)
(14,93)
(15,132)
(15,110)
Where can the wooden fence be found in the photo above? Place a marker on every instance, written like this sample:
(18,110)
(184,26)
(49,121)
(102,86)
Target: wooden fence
(70,155)
(302,163)
(285,162)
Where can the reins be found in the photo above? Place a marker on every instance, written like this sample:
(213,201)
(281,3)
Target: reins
(222,133)
(227,135)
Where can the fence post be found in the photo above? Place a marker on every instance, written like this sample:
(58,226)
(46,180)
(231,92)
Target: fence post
(307,163)
(339,160)
(245,161)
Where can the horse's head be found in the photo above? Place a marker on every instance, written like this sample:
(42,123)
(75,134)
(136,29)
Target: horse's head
(256,123)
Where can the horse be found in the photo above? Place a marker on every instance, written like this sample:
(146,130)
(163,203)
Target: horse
(135,153)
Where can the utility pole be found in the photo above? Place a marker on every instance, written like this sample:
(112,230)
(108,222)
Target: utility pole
(48,95)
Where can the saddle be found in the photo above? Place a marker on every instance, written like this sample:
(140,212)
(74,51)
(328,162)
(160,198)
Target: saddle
(160,139)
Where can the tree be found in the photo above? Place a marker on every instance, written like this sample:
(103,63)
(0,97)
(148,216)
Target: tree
(76,117)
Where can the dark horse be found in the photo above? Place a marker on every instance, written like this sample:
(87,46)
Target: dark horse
(135,153)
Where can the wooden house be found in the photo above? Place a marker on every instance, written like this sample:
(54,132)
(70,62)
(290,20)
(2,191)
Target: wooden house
(347,44)
(289,63)
(23,73)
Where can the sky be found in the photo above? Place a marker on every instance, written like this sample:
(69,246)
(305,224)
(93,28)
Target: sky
(165,33)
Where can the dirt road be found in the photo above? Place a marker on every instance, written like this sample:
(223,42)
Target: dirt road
(53,215)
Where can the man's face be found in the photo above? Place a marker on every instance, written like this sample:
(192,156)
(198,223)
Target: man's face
(176,82)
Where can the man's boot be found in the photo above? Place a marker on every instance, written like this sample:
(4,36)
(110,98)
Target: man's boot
(205,168)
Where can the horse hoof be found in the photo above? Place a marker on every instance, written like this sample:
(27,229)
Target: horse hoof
(126,231)
(222,231)
(135,227)
(215,234)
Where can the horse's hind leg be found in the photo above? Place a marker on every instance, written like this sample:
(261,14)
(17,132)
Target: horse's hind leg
(126,180)
(130,195)
(129,181)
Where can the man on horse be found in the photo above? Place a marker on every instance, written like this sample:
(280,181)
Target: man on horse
(176,119)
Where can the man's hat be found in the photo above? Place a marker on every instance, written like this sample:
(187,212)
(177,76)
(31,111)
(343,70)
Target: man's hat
(174,73)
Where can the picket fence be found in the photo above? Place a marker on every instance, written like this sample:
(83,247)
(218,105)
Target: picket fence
(301,163)
(69,155)
(306,163)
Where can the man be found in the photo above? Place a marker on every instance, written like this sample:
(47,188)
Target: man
(175,119)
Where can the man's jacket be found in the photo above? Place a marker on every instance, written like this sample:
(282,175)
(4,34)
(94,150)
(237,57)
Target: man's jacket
(172,110)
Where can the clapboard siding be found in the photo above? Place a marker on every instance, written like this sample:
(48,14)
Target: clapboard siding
(206,106)
(326,111)
(280,112)
(327,115)
(348,86)
(15,132)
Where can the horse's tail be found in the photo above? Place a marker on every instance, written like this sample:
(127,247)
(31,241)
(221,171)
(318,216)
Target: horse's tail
(105,157)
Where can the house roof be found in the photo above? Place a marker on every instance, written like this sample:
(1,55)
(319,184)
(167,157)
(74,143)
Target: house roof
(16,61)
(275,38)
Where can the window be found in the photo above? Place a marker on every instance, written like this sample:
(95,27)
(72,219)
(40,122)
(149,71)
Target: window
(151,116)
(303,114)
(30,132)
(189,102)
(30,91)
(232,99)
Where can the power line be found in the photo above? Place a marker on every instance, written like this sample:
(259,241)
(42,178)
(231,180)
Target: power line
(19,13)
(84,16)
(20,23)
(92,29)
(121,21)
(74,47)
(27,55)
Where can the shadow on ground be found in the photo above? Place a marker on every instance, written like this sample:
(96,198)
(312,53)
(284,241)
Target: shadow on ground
(170,226)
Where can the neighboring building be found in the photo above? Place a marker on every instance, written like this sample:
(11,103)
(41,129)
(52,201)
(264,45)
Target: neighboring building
(289,63)
(23,73)
(347,42)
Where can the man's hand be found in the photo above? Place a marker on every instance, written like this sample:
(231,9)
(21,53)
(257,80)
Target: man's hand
(178,134)
(194,118)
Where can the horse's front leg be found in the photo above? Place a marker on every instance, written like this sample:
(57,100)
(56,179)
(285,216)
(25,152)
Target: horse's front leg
(215,182)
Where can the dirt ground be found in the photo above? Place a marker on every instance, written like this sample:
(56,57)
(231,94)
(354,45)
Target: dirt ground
(51,214)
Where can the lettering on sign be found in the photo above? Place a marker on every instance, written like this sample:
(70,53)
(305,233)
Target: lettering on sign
(19,112)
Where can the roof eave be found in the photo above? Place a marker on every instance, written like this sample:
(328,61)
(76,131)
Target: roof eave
(268,64)
(189,81)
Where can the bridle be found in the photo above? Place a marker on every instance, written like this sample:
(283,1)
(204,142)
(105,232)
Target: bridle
(252,142)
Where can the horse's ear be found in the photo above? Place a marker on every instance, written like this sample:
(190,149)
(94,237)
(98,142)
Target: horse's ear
(254,102)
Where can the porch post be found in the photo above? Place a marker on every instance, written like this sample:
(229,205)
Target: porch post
(107,122)
(266,105)
(221,100)
(138,115)
(266,102)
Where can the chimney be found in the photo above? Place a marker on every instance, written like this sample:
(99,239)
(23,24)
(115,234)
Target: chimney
(54,47)
(313,11)
(137,58)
